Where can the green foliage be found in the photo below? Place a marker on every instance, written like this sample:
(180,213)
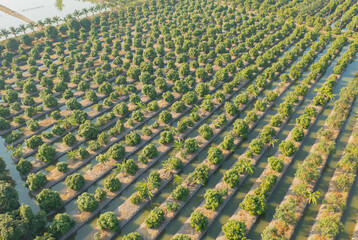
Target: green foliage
(267,133)
(202,89)
(213,198)
(23,166)
(234,230)
(180,237)
(172,206)
(254,204)
(232,178)
(191,145)
(62,167)
(285,109)
(12,44)
(88,130)
(200,175)
(198,221)
(215,155)
(75,181)
(112,184)
(310,111)
(297,134)
(49,200)
(287,148)
(303,121)
(286,212)
(100,194)
(165,117)
(205,131)
(181,193)
(8,198)
(256,146)
(69,139)
(87,202)
(132,236)
(35,181)
(61,224)
(150,151)
(329,226)
(155,218)
(276,163)
(4,124)
(46,153)
(133,138)
(173,163)
(241,128)
(116,151)
(166,137)
(108,221)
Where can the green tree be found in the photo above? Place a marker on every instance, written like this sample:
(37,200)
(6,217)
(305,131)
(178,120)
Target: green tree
(61,224)
(35,181)
(155,218)
(87,202)
(198,221)
(75,181)
(234,230)
(8,198)
(49,200)
(108,221)
(46,153)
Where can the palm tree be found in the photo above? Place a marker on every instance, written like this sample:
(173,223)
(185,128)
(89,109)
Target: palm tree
(48,21)
(273,142)
(56,20)
(59,4)
(325,92)
(14,31)
(120,167)
(195,108)
(5,32)
(313,197)
(92,10)
(71,155)
(330,95)
(97,8)
(142,107)
(68,17)
(208,97)
(248,167)
(71,120)
(103,6)
(23,28)
(9,147)
(85,12)
(178,144)
(40,23)
(121,90)
(143,188)
(32,26)
(178,180)
(77,14)
(17,152)
(244,167)
(66,123)
(167,167)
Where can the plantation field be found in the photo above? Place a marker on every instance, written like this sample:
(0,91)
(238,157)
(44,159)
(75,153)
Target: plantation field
(184,120)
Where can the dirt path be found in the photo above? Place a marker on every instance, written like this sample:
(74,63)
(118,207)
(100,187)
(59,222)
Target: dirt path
(15,14)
